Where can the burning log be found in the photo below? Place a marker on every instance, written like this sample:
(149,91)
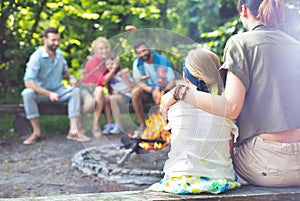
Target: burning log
(132,145)
(154,138)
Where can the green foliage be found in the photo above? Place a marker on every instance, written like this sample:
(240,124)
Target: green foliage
(210,23)
(216,40)
(79,22)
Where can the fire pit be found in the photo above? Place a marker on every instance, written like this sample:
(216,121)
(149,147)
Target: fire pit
(136,170)
(139,160)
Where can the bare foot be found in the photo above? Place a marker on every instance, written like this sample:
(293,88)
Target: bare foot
(32,139)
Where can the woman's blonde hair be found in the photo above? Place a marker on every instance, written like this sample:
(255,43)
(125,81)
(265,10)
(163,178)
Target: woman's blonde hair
(99,40)
(205,64)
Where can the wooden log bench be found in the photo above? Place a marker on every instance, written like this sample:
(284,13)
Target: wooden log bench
(22,125)
(245,193)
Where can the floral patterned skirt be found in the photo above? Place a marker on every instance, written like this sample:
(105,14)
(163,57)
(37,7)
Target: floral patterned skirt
(193,185)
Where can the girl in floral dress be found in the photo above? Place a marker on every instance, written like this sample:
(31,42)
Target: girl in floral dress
(200,158)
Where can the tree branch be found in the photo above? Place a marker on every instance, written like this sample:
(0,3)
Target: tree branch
(37,20)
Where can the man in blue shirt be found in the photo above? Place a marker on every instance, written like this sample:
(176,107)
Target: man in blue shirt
(153,76)
(43,81)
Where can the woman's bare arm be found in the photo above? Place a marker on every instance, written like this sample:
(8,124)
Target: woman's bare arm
(229,105)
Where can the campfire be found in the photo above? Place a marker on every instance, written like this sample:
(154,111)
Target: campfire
(155,137)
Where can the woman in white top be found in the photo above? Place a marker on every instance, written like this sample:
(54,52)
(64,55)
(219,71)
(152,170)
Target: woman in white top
(201,143)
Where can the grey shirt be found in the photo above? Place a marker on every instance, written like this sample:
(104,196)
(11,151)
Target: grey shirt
(268,64)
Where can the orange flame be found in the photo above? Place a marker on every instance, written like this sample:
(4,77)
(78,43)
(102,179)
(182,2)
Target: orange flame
(155,131)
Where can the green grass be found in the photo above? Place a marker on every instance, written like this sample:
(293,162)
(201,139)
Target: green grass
(128,120)
(52,125)
(6,125)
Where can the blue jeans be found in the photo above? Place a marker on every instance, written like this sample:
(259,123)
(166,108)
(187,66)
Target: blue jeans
(31,100)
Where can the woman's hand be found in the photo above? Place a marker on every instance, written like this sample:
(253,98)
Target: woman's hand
(72,80)
(166,101)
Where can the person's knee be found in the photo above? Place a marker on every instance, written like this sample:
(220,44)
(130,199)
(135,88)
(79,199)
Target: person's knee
(76,92)
(28,94)
(136,95)
(98,93)
(71,95)
(115,99)
(89,103)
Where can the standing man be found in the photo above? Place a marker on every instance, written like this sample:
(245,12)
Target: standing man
(43,81)
(153,76)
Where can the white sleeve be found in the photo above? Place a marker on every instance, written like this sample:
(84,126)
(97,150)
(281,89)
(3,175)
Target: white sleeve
(135,71)
(234,129)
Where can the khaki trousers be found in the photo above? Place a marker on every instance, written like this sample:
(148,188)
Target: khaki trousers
(267,163)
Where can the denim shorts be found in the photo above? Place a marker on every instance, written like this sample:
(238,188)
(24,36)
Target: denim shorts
(126,98)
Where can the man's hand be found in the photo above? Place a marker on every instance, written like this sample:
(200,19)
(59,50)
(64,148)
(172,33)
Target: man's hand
(145,77)
(156,95)
(40,90)
(53,96)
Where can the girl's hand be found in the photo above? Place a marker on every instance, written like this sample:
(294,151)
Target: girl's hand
(116,63)
(166,101)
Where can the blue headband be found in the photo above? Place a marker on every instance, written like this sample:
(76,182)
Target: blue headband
(201,86)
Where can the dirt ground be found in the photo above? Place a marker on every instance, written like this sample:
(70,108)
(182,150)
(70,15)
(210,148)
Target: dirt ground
(45,169)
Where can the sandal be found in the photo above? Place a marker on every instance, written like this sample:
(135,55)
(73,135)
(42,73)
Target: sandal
(77,137)
(32,141)
(96,132)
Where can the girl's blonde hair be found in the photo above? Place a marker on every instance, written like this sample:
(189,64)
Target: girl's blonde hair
(99,40)
(205,64)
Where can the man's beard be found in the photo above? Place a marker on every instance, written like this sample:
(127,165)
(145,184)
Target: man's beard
(146,57)
(52,48)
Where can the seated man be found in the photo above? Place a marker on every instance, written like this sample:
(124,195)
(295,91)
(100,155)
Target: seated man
(153,76)
(44,73)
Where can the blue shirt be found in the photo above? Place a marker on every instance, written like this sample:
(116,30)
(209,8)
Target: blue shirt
(45,72)
(141,68)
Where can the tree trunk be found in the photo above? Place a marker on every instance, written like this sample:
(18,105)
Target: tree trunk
(3,19)
(193,27)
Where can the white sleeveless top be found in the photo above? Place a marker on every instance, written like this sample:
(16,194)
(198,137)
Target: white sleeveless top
(199,143)
(118,84)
